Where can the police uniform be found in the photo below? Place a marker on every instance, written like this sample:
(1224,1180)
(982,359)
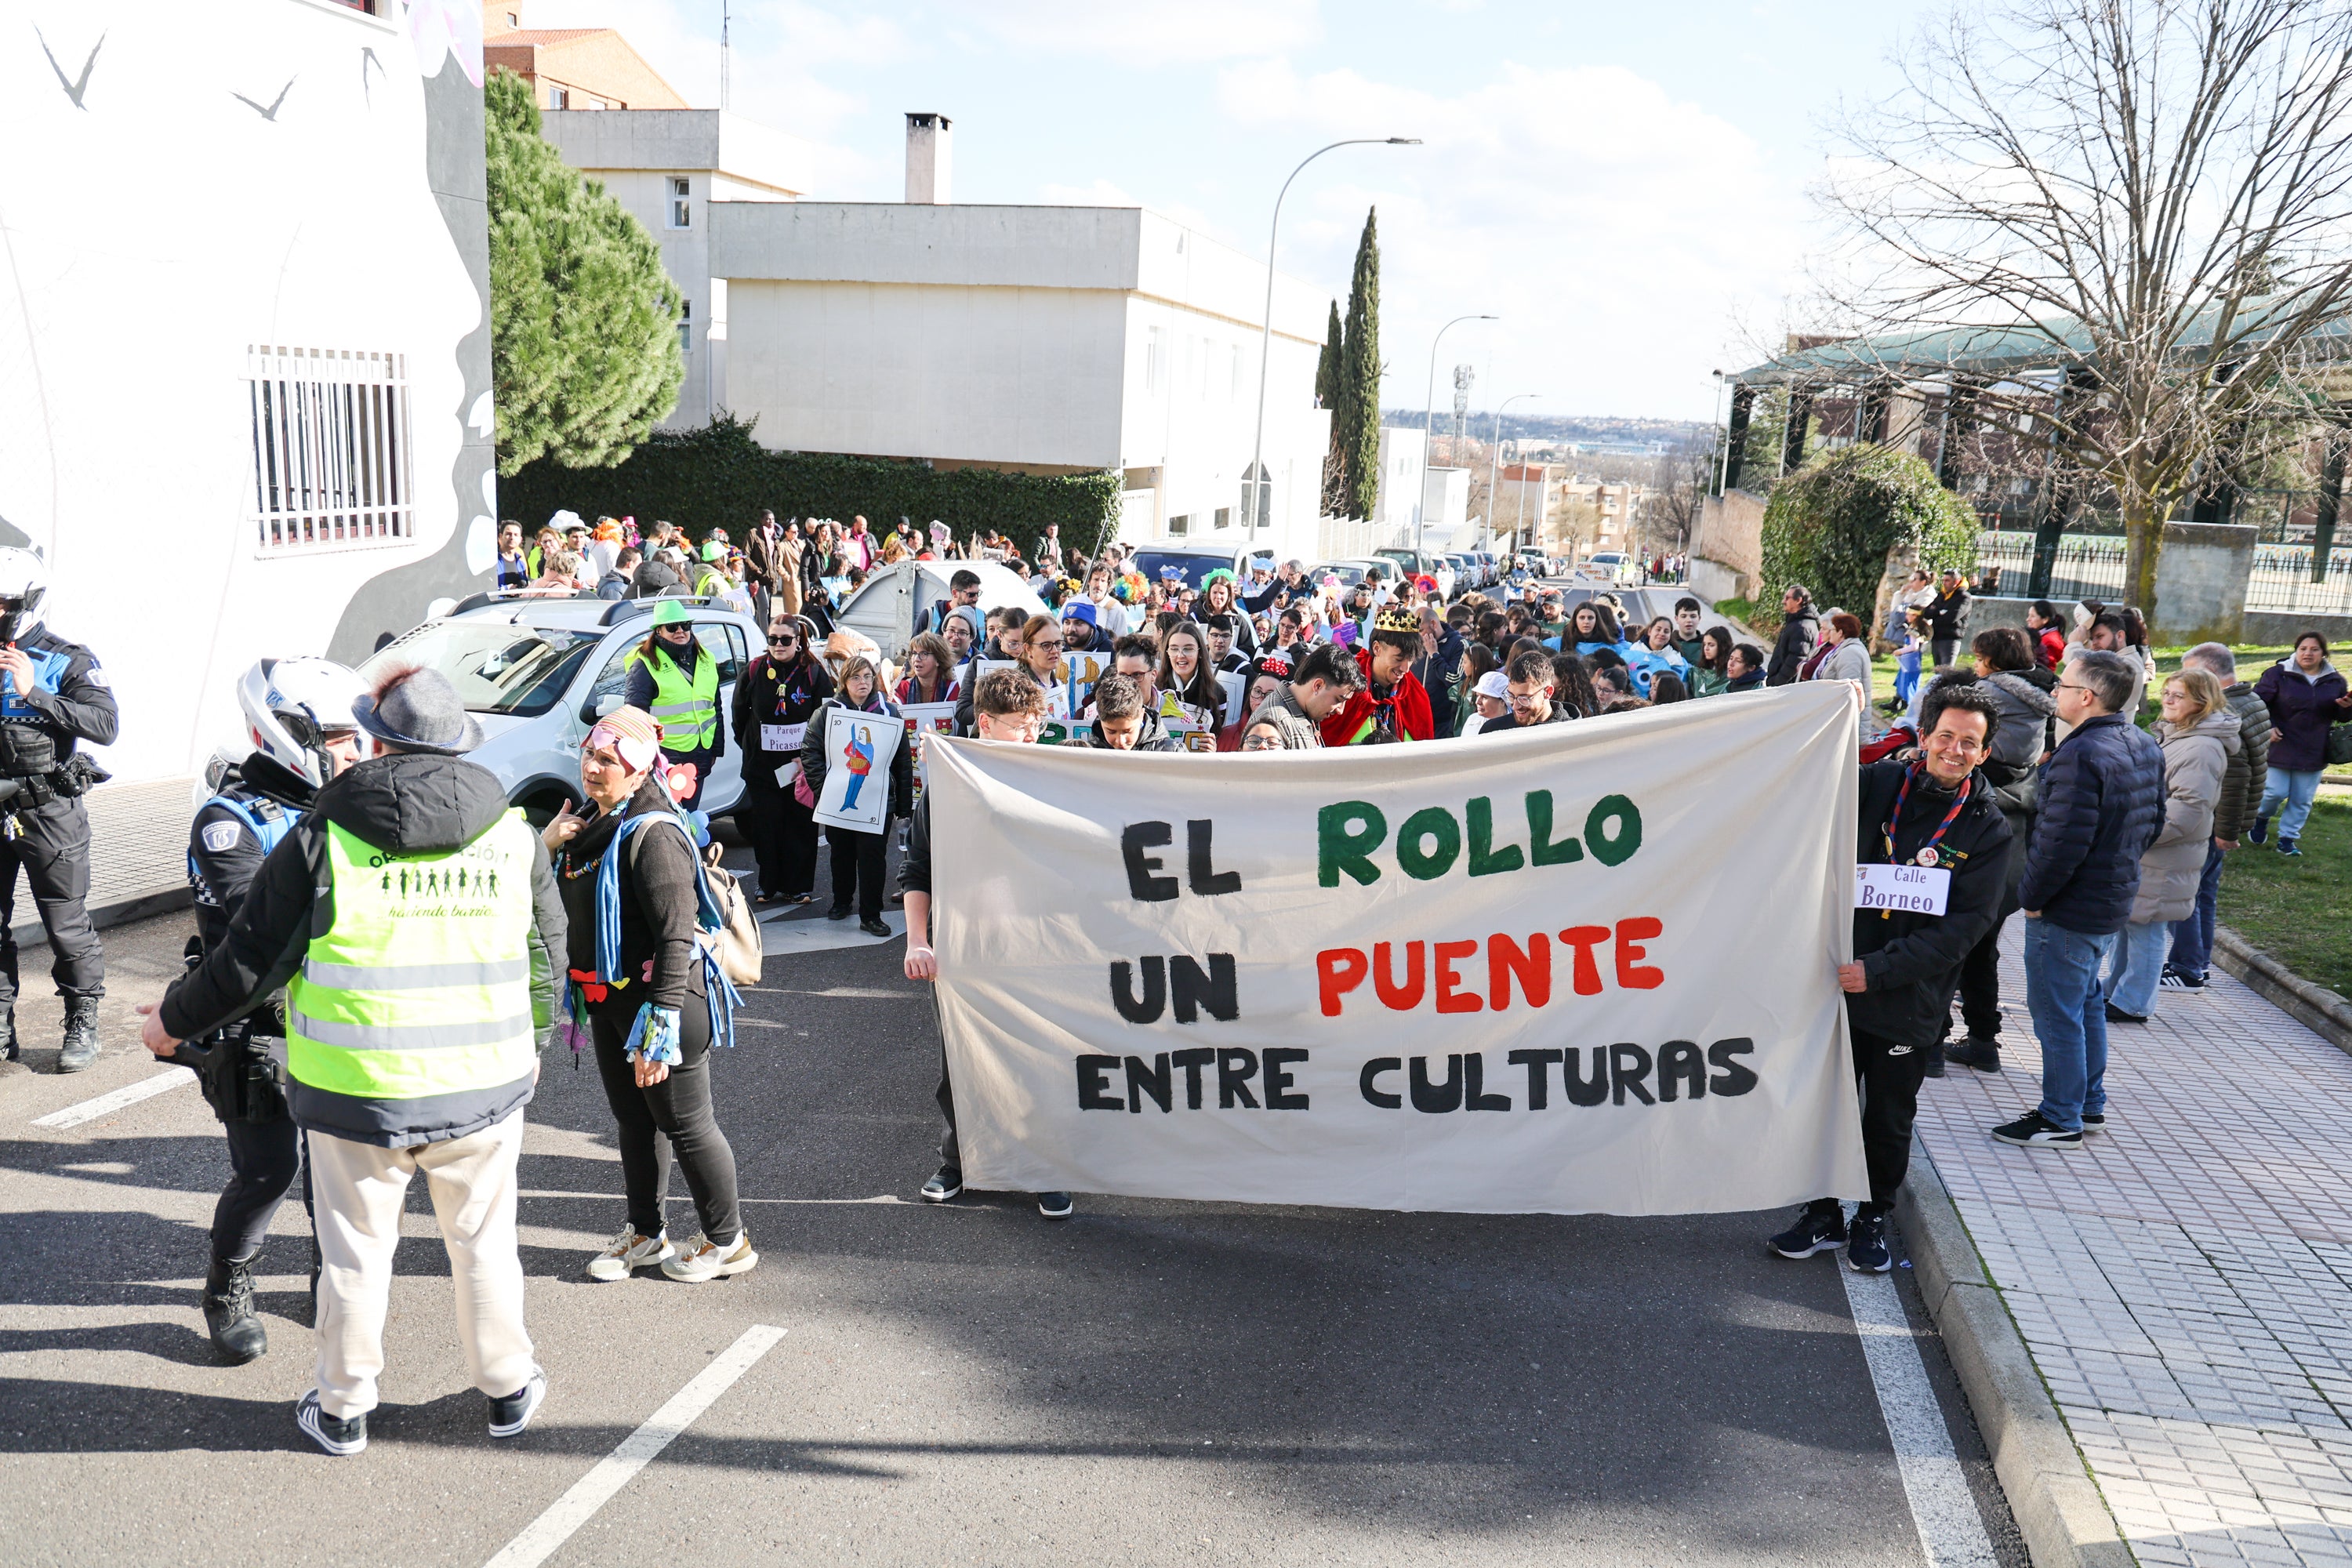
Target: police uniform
(47,827)
(241,1065)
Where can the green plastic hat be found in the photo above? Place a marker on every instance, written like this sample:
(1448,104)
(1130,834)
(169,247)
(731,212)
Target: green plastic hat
(671,613)
(713,551)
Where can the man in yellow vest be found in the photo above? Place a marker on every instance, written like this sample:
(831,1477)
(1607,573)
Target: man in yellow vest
(672,677)
(415,923)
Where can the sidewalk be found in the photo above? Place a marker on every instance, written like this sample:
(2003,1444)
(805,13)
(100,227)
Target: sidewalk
(2184,1282)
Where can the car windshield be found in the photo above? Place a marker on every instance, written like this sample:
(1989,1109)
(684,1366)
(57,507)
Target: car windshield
(1350,573)
(1194,567)
(497,666)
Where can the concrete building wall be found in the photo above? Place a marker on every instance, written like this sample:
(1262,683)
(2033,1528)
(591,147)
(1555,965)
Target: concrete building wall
(350,219)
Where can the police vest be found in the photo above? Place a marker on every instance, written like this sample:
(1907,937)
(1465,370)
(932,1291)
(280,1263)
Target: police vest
(269,829)
(421,990)
(686,705)
(28,747)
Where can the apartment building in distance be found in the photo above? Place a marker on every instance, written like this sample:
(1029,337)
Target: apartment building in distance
(587,69)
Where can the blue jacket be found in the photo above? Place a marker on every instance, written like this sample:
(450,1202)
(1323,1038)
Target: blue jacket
(2101,806)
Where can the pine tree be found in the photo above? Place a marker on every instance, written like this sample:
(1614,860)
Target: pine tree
(584,356)
(1355,416)
(1327,396)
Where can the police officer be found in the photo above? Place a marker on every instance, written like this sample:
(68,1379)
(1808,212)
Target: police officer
(299,712)
(672,677)
(52,695)
(414,920)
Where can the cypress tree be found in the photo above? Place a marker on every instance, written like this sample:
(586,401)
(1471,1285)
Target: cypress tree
(1327,396)
(1356,418)
(584,356)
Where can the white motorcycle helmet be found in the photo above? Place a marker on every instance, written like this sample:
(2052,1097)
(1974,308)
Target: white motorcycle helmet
(24,585)
(291,705)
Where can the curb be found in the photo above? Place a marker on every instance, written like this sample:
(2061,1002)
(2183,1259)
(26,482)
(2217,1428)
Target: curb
(2315,1007)
(2058,1508)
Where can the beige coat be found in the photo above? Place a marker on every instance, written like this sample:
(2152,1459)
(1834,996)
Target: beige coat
(2196,761)
(787,590)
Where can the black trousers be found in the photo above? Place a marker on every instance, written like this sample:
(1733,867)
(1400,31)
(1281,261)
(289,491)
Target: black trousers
(263,1158)
(859,863)
(950,1151)
(52,844)
(1980,987)
(1890,1075)
(783,838)
(672,1115)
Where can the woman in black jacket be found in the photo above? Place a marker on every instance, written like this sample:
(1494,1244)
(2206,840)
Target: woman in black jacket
(859,858)
(774,702)
(649,1019)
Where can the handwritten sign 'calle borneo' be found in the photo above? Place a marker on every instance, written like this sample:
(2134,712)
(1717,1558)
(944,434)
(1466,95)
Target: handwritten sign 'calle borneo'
(1583,968)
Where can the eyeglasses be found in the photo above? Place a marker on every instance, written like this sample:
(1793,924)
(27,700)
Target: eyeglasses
(2071,686)
(1261,742)
(1045,642)
(1959,743)
(784,642)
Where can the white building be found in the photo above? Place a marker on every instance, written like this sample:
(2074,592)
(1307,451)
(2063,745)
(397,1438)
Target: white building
(667,166)
(1446,507)
(245,372)
(1404,470)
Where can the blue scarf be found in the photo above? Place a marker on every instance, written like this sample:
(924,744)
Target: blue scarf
(648,1031)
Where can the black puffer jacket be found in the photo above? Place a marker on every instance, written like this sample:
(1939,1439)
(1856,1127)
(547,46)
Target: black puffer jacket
(1800,635)
(405,804)
(658,880)
(2101,804)
(815,760)
(1913,961)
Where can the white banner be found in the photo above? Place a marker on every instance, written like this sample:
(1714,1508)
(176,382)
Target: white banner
(859,750)
(1582,968)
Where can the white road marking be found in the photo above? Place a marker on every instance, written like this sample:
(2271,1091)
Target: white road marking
(592,1492)
(1950,1528)
(130,1094)
(820,935)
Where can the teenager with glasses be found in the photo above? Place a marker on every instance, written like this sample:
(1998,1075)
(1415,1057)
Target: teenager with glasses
(773,703)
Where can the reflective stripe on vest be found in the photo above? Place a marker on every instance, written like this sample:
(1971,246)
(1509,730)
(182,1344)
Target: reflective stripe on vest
(687,706)
(422,988)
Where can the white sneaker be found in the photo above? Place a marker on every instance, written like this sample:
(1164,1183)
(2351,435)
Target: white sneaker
(704,1260)
(628,1252)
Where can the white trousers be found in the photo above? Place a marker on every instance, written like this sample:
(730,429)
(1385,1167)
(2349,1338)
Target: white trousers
(359,1190)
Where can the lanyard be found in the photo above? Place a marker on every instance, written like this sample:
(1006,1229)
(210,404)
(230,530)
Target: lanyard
(1925,856)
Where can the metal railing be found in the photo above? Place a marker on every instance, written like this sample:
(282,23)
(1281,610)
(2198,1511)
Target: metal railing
(2281,581)
(2091,566)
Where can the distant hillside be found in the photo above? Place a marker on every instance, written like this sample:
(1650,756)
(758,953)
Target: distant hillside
(1600,429)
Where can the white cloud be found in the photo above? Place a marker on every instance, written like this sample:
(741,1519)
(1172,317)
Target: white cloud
(1151,34)
(1614,228)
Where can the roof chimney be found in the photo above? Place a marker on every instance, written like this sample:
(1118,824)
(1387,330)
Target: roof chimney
(930,159)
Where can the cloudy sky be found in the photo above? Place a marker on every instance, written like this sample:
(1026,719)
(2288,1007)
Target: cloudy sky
(1622,181)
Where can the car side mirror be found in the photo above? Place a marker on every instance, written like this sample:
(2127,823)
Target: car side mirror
(598,706)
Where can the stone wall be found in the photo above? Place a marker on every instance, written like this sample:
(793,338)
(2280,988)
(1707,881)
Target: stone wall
(1727,548)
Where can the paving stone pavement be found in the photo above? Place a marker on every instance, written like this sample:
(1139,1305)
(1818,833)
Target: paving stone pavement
(2184,1281)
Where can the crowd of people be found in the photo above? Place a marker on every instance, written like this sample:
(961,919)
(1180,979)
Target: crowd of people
(339,1035)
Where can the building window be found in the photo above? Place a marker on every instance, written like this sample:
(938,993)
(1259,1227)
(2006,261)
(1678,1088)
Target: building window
(559,98)
(514,21)
(1224,518)
(681,212)
(1180,525)
(685,326)
(331,438)
(1154,354)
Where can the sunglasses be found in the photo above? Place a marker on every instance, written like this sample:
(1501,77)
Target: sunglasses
(784,642)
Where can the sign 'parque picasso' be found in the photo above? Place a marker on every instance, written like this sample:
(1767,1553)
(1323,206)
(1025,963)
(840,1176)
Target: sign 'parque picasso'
(1581,968)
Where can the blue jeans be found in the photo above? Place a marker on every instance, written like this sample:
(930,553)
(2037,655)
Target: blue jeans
(2192,934)
(2138,966)
(2070,1016)
(2297,790)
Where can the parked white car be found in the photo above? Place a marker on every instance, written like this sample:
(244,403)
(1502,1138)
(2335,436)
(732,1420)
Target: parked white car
(536,673)
(1608,566)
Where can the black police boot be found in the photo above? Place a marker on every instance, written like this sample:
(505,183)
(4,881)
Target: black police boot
(81,1033)
(237,1332)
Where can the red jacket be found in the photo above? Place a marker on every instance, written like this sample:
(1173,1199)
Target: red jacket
(1403,713)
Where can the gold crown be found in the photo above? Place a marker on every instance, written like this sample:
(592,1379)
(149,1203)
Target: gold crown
(1397,619)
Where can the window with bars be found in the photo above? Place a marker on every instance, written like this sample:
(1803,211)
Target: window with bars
(331,448)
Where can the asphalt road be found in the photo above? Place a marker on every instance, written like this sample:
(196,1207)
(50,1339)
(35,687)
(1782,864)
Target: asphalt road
(1150,1382)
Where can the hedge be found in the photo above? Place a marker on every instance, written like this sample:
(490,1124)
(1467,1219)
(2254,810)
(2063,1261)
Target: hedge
(1835,525)
(719,477)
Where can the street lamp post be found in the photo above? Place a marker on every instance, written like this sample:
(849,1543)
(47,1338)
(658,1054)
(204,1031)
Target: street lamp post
(1429,425)
(1495,465)
(1258,484)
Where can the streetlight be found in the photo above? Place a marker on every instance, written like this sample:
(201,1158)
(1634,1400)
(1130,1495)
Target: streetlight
(1429,425)
(1258,483)
(1494,464)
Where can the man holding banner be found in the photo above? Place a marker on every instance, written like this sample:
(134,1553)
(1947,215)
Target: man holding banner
(1932,860)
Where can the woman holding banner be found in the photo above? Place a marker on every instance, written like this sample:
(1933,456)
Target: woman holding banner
(774,702)
(859,857)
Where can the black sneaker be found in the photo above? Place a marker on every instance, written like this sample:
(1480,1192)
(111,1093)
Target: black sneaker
(1977,1052)
(2259,831)
(341,1439)
(945,1183)
(2287,847)
(2117,1015)
(875,928)
(2173,979)
(1865,1250)
(512,1412)
(2093,1121)
(1056,1205)
(2035,1130)
(1820,1228)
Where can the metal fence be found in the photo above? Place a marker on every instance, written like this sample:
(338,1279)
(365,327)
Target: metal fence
(2091,566)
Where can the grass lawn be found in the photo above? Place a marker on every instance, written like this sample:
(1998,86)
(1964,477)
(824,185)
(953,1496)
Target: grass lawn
(2298,908)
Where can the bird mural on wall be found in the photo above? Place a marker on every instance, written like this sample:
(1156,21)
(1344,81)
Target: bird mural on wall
(269,113)
(80,84)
